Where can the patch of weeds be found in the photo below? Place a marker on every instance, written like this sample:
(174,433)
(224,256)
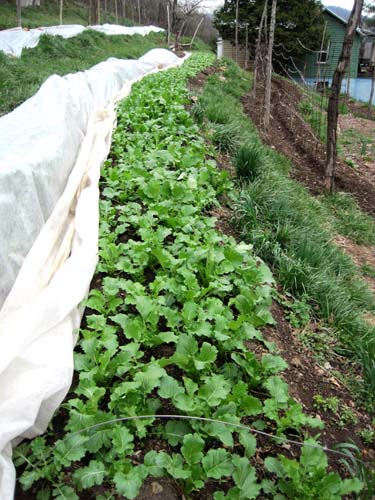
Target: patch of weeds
(347,417)
(348,220)
(343,108)
(351,163)
(197,112)
(248,162)
(320,343)
(298,312)
(331,403)
(226,138)
(313,108)
(368,434)
(368,271)
(216,112)
(343,414)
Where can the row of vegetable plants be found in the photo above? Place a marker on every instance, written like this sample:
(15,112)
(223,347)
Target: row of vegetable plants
(171,308)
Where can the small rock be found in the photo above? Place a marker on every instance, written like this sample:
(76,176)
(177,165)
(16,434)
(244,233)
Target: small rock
(327,365)
(156,488)
(296,362)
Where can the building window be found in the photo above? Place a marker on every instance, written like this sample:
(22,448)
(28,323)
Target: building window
(323,56)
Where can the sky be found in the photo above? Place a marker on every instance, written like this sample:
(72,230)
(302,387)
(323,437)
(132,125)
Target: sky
(347,4)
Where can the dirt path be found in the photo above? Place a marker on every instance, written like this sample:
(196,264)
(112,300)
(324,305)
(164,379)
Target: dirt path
(294,138)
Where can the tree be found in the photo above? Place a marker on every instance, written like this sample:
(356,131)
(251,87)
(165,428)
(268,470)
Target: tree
(19,13)
(298,22)
(333,102)
(61,11)
(259,45)
(267,107)
(184,12)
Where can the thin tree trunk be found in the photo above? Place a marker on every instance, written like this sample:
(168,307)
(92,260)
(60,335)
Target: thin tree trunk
(258,49)
(236,31)
(19,14)
(179,35)
(98,11)
(333,103)
(372,89)
(267,110)
(116,11)
(61,11)
(196,31)
(174,15)
(168,25)
(139,11)
(105,11)
(123,11)
(246,45)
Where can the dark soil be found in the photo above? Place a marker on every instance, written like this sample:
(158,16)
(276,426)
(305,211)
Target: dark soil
(293,137)
(306,378)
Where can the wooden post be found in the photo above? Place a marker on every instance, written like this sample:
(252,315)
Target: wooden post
(139,11)
(116,11)
(267,110)
(333,102)
(123,11)
(236,31)
(169,25)
(258,48)
(19,14)
(246,45)
(61,11)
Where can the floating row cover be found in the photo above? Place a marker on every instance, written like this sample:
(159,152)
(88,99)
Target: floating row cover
(51,148)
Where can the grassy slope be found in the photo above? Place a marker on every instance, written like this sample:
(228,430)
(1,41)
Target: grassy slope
(292,231)
(21,78)
(45,15)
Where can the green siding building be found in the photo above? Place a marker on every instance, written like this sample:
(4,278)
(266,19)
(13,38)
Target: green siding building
(322,65)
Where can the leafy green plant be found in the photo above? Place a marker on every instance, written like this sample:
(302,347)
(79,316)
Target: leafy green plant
(309,478)
(167,328)
(326,403)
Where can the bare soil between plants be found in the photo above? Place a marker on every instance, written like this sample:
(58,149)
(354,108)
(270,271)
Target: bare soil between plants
(293,137)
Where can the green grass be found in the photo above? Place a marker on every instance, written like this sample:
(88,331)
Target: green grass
(21,78)
(368,271)
(292,232)
(348,220)
(313,107)
(47,14)
(248,162)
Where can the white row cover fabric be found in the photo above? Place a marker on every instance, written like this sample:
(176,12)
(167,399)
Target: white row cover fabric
(12,41)
(61,135)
